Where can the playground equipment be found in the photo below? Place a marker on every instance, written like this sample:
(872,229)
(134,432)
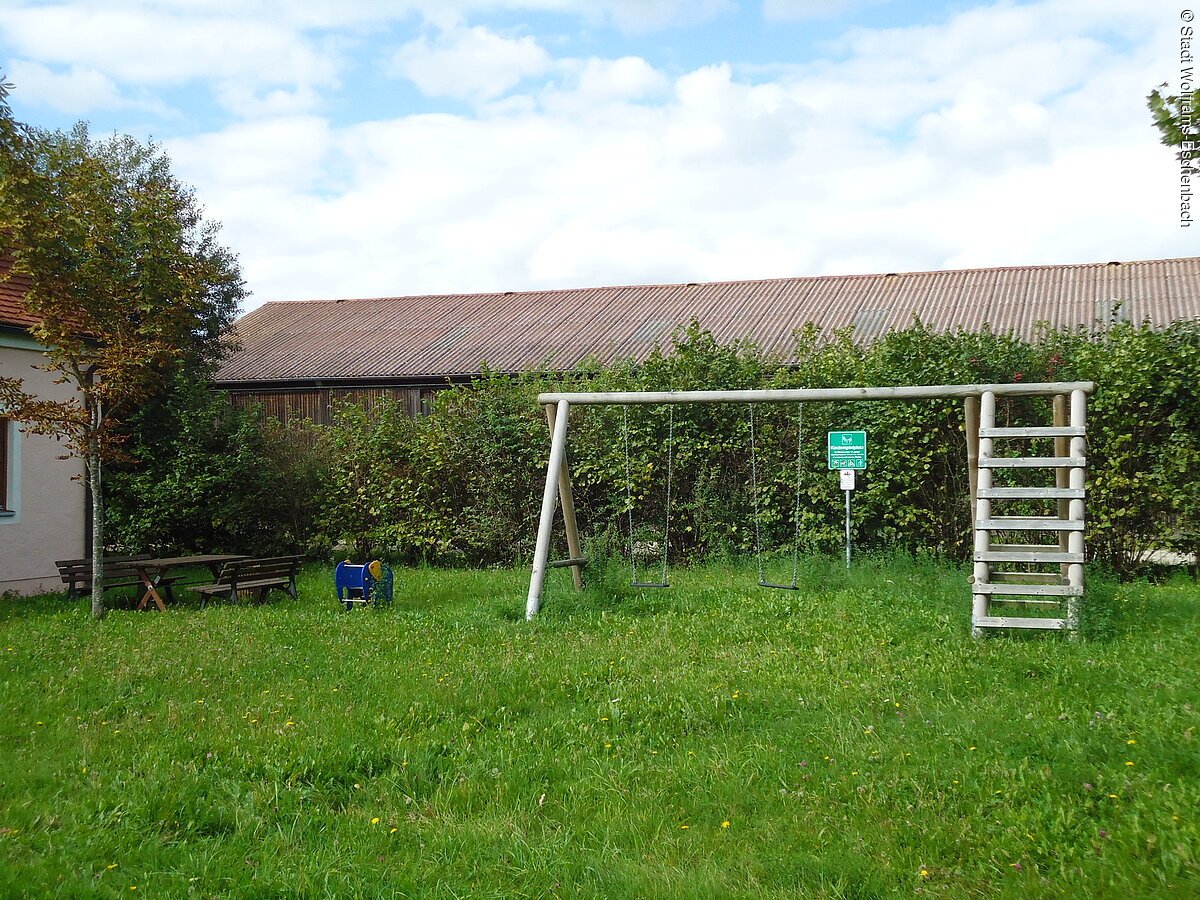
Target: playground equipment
(369,583)
(758,552)
(1032,586)
(666,541)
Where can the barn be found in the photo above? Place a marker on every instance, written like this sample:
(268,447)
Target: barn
(299,359)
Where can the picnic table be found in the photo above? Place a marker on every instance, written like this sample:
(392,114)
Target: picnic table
(154,572)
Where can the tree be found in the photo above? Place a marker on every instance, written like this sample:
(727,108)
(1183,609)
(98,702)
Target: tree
(126,279)
(1175,119)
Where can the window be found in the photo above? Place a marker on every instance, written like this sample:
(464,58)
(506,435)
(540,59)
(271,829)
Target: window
(4,439)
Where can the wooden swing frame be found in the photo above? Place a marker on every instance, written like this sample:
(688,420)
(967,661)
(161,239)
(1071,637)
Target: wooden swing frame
(1068,397)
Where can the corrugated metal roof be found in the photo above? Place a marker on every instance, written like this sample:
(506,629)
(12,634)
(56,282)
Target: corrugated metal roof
(454,335)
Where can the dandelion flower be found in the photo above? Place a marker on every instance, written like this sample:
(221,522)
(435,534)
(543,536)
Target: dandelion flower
(725,824)
(375,821)
(684,827)
(1131,742)
(1129,762)
(924,872)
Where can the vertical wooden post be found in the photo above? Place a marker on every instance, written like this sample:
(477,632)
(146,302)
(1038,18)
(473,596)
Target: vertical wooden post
(982,571)
(971,418)
(1062,474)
(567,498)
(541,552)
(1075,538)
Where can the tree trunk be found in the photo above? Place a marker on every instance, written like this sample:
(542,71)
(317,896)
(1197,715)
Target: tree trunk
(93,469)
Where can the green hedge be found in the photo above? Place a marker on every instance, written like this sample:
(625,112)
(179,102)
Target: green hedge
(463,485)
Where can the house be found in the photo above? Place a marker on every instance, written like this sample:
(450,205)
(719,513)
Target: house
(300,358)
(43,500)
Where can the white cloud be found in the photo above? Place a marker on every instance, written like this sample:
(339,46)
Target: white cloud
(153,48)
(627,78)
(470,63)
(1008,134)
(986,127)
(74,91)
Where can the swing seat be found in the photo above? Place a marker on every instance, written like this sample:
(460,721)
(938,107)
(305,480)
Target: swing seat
(650,584)
(778,587)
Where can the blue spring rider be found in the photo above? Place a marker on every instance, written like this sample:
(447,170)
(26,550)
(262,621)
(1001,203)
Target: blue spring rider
(370,583)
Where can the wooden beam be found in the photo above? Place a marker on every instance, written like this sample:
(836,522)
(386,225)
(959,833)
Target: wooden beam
(541,552)
(566,497)
(1019,622)
(971,423)
(914,392)
(1035,493)
(1032,462)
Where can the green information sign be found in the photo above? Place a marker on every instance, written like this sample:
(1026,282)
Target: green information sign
(847,449)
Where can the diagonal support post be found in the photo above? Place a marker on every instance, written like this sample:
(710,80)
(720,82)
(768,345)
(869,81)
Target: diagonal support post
(566,497)
(541,553)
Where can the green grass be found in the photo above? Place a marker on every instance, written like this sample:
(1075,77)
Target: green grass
(713,740)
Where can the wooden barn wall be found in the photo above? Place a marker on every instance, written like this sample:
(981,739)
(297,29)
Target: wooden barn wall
(317,404)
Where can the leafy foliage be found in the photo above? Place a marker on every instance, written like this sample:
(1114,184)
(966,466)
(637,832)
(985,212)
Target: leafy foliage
(212,481)
(125,278)
(1175,119)
(462,486)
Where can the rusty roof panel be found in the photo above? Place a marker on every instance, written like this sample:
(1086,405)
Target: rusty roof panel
(448,335)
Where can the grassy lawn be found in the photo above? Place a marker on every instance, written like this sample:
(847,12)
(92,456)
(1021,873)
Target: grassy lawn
(713,740)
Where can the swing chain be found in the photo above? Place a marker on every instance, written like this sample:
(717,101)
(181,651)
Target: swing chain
(758,556)
(796,509)
(754,495)
(629,489)
(670,475)
(629,494)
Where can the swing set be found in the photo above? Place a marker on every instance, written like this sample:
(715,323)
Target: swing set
(663,581)
(989,585)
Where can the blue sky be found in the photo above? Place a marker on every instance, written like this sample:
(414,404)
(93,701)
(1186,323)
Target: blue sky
(390,147)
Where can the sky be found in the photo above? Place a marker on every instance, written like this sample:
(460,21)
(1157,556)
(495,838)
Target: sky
(369,148)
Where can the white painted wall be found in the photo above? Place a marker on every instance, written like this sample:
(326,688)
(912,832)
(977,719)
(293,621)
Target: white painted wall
(50,507)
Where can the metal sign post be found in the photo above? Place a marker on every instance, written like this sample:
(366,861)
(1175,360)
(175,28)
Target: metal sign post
(847,480)
(848,454)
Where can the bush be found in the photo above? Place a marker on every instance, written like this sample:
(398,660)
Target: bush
(463,485)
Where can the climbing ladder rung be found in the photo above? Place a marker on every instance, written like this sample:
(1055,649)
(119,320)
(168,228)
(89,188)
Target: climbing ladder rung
(1032,462)
(1027,578)
(1032,590)
(1026,601)
(1008,553)
(1039,431)
(1019,622)
(1033,523)
(1031,493)
(1023,548)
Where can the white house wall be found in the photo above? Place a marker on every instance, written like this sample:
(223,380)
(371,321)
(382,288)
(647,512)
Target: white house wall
(47,493)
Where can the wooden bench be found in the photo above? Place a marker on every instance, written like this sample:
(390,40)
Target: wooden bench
(119,571)
(246,575)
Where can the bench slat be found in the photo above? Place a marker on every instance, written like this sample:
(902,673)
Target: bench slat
(260,575)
